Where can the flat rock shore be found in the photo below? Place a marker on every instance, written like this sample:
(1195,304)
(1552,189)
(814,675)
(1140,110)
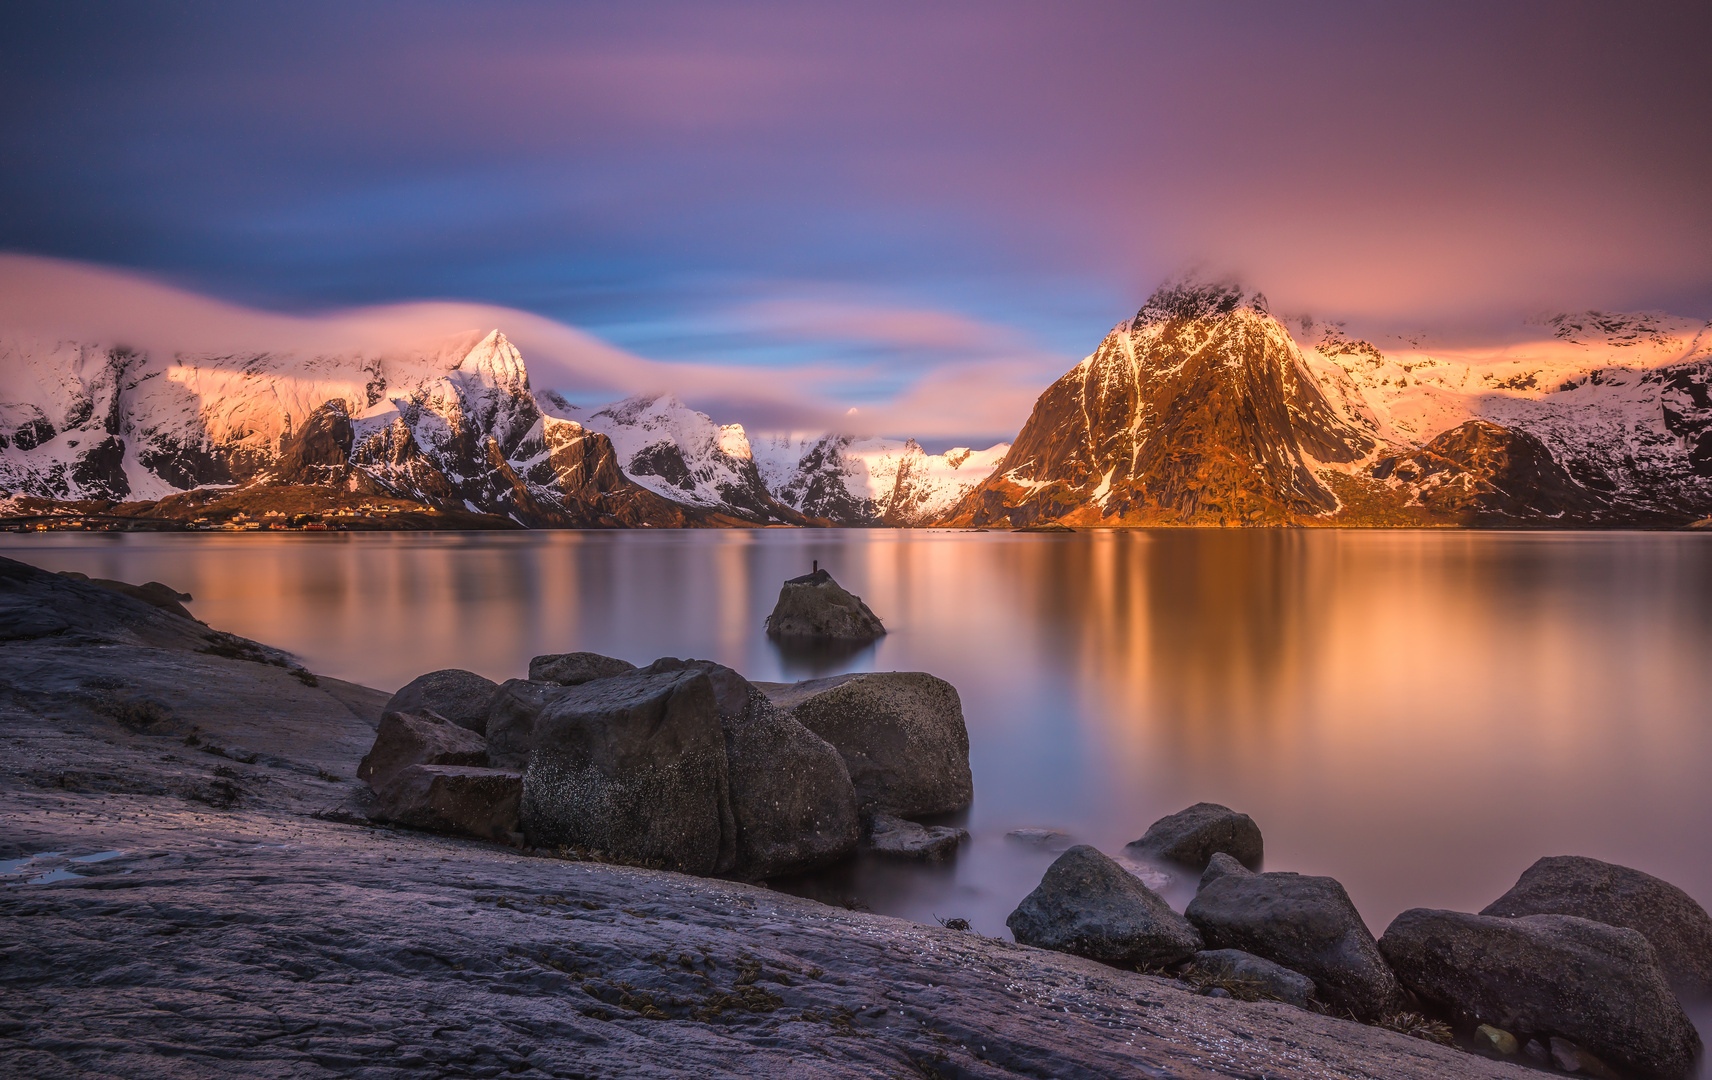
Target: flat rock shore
(241,918)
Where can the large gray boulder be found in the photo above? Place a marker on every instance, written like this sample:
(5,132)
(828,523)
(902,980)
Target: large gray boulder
(815,606)
(1236,971)
(791,796)
(1307,924)
(1549,975)
(1679,929)
(425,738)
(576,668)
(901,734)
(460,696)
(1088,905)
(511,716)
(1191,837)
(460,800)
(634,768)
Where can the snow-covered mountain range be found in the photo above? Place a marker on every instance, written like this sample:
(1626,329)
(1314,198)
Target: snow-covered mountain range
(453,425)
(1206,408)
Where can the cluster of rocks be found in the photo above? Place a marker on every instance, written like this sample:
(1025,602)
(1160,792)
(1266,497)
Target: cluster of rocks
(683,764)
(1578,966)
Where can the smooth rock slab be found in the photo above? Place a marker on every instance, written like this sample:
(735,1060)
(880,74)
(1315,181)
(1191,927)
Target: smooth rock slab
(1088,905)
(1271,980)
(1679,929)
(460,696)
(454,799)
(634,768)
(576,668)
(815,606)
(1306,924)
(901,734)
(1549,975)
(1191,837)
(894,838)
(425,738)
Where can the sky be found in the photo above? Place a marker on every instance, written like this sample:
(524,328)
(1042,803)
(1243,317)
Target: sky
(922,211)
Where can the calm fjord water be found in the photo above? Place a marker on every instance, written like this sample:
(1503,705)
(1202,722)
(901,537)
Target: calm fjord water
(1418,714)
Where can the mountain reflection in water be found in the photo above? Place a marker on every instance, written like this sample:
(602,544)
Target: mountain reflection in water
(1418,714)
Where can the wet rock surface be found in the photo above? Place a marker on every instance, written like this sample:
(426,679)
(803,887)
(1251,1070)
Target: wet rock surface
(1088,905)
(246,919)
(895,838)
(1260,976)
(460,800)
(460,696)
(815,606)
(1306,924)
(1549,975)
(425,738)
(1192,837)
(1679,929)
(901,734)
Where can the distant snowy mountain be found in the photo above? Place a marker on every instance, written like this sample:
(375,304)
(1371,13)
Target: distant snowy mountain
(1205,408)
(456,425)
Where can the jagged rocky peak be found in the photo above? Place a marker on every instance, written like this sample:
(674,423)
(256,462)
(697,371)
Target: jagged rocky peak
(1199,410)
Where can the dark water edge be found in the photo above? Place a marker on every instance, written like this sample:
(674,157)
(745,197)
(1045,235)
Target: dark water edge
(1419,714)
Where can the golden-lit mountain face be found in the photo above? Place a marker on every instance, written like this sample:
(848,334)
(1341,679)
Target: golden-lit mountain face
(1199,411)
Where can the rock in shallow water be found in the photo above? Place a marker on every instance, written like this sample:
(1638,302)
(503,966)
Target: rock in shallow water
(815,606)
(1549,975)
(1679,929)
(1191,837)
(895,838)
(1088,905)
(460,696)
(901,734)
(1307,924)
(454,799)
(425,738)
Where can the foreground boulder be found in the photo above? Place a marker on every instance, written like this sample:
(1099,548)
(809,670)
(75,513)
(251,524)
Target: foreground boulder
(1307,924)
(894,838)
(1191,837)
(454,799)
(424,738)
(576,668)
(791,796)
(815,606)
(1088,905)
(511,716)
(1598,986)
(460,696)
(1679,929)
(1251,977)
(901,734)
(634,768)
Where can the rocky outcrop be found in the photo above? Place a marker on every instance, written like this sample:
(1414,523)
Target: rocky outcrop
(901,734)
(1192,837)
(1088,905)
(1549,975)
(319,450)
(459,800)
(815,606)
(1306,924)
(1481,473)
(895,838)
(575,668)
(1679,930)
(634,768)
(460,696)
(154,593)
(424,738)
(1251,977)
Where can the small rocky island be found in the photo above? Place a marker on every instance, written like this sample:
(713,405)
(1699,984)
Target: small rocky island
(218,863)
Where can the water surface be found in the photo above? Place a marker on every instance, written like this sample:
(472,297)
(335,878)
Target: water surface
(1418,714)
